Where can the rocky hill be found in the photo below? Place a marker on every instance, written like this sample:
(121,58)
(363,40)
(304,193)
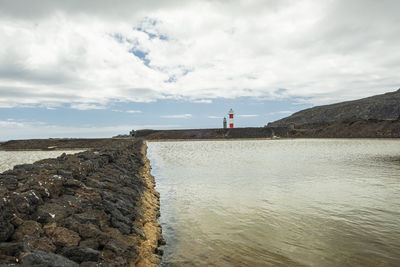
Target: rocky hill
(378,107)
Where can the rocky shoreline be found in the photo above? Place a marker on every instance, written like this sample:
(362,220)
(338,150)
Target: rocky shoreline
(94,208)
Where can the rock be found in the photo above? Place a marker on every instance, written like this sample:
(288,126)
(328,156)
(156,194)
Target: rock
(6,230)
(81,254)
(95,264)
(90,243)
(73,183)
(9,182)
(31,228)
(114,210)
(52,212)
(41,258)
(22,204)
(11,248)
(65,173)
(115,247)
(159,251)
(16,221)
(62,236)
(86,218)
(113,259)
(25,167)
(89,231)
(139,232)
(76,209)
(88,264)
(90,195)
(161,241)
(44,244)
(122,227)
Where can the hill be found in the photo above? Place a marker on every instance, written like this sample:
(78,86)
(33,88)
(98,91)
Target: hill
(378,107)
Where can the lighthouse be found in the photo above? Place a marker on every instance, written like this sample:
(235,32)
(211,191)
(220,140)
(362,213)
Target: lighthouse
(230,118)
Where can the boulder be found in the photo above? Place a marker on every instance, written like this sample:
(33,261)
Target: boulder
(41,258)
(44,244)
(6,230)
(90,243)
(30,228)
(61,236)
(11,248)
(81,254)
(52,212)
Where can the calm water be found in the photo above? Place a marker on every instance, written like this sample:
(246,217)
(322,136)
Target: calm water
(279,202)
(8,159)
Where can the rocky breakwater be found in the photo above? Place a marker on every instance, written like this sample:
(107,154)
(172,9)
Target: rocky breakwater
(95,208)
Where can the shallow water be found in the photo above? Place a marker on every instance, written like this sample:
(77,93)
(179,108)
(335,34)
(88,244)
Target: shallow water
(8,159)
(322,202)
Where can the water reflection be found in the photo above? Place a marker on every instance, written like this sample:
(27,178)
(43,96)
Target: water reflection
(286,202)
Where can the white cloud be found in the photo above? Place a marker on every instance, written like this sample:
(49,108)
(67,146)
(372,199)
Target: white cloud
(202,101)
(11,124)
(86,106)
(178,116)
(248,115)
(215,117)
(133,111)
(285,112)
(75,52)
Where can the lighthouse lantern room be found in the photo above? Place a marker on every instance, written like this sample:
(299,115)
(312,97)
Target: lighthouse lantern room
(231,118)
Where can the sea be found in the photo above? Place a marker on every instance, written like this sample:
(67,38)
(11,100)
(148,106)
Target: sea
(287,202)
(8,159)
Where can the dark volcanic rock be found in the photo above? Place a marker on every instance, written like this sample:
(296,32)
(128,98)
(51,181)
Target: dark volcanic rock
(41,258)
(77,209)
(62,236)
(44,244)
(81,254)
(28,228)
(379,107)
(6,230)
(11,248)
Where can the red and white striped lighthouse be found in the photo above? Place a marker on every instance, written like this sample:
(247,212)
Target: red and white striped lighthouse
(230,118)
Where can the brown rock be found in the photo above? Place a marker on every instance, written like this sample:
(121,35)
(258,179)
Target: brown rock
(62,236)
(43,244)
(90,243)
(6,230)
(16,221)
(49,228)
(88,194)
(89,231)
(30,228)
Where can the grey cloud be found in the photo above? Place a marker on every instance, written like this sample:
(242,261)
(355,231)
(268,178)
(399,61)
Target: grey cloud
(27,9)
(350,51)
(349,26)
(10,93)
(20,73)
(140,94)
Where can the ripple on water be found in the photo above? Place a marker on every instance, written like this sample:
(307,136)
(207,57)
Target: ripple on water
(288,202)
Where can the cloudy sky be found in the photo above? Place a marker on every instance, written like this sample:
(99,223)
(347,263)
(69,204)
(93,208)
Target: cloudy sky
(99,68)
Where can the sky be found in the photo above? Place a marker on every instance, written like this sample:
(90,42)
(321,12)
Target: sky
(99,68)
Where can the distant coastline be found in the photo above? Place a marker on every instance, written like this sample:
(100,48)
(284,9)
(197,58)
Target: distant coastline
(346,128)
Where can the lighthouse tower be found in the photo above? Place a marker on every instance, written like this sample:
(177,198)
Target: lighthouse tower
(230,118)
